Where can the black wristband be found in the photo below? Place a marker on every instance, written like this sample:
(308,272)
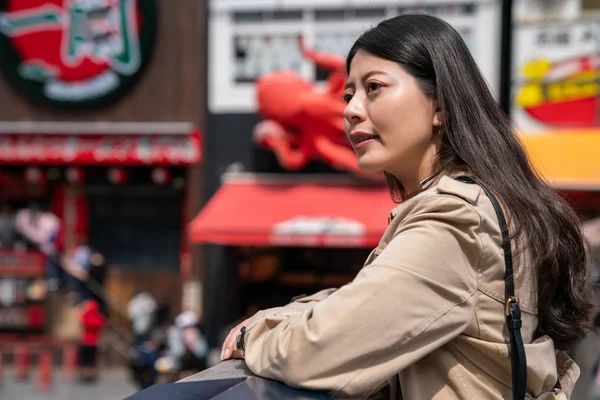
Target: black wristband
(239,344)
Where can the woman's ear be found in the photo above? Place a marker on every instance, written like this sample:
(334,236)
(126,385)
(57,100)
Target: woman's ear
(439,117)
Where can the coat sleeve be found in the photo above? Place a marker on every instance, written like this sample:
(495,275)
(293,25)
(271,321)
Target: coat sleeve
(417,295)
(296,306)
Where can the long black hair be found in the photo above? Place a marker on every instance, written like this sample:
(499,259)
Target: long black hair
(477,137)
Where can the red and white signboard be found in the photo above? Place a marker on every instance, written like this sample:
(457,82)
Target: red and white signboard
(101,149)
(556,75)
(318,232)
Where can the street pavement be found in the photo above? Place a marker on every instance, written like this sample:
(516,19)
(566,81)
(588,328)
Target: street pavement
(112,384)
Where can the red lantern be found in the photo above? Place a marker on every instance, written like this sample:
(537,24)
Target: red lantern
(160,176)
(74,175)
(117,176)
(34,175)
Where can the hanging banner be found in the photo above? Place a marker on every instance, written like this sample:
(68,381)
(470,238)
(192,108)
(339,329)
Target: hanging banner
(101,149)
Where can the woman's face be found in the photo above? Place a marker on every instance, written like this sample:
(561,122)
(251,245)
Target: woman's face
(389,120)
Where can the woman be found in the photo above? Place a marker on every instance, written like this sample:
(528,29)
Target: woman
(425,317)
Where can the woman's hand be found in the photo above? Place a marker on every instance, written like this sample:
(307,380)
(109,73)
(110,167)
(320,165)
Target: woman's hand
(229,348)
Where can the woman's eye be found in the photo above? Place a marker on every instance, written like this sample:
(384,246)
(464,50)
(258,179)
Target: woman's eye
(347,97)
(372,86)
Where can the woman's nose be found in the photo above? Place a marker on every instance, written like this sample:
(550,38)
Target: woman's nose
(355,111)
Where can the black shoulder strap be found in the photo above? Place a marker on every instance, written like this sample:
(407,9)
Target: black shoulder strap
(512,309)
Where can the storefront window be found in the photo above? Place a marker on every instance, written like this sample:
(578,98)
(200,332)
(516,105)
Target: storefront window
(270,277)
(136,227)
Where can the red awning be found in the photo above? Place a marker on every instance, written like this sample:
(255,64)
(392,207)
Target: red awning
(255,211)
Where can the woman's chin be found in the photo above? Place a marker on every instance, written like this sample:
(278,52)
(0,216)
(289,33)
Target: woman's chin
(369,166)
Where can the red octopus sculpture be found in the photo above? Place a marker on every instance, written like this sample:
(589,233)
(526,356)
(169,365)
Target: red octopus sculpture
(302,122)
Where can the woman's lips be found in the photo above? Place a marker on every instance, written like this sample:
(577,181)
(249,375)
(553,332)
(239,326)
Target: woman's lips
(363,143)
(362,139)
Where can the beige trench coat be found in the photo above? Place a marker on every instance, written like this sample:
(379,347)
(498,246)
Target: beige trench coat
(426,311)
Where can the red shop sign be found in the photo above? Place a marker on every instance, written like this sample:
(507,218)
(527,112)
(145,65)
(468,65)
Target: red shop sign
(156,149)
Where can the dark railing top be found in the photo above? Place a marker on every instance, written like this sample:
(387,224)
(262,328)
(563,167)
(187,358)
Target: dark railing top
(232,369)
(229,380)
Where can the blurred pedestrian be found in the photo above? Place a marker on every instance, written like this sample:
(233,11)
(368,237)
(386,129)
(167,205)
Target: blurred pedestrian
(141,311)
(42,229)
(195,345)
(77,263)
(97,272)
(92,321)
(143,366)
(187,348)
(88,274)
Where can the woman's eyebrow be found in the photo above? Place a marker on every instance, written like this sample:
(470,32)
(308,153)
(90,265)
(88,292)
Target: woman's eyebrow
(367,75)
